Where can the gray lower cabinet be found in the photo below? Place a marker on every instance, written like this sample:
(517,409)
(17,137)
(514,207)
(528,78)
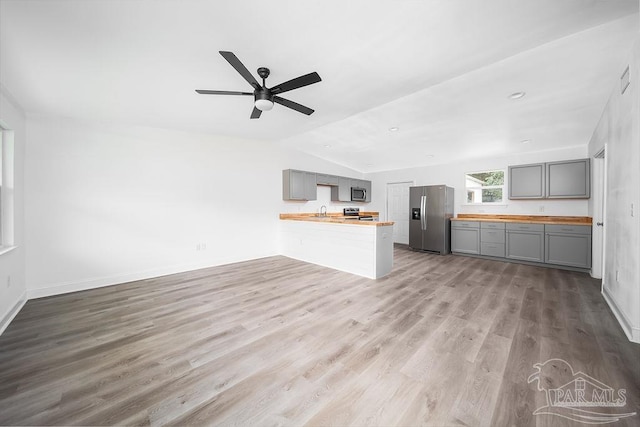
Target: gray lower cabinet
(568,245)
(527,181)
(569,179)
(298,185)
(492,238)
(525,242)
(465,237)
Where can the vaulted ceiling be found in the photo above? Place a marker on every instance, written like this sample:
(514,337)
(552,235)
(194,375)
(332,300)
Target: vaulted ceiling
(439,70)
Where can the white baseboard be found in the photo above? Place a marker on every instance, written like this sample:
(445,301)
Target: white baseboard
(4,322)
(633,333)
(99,282)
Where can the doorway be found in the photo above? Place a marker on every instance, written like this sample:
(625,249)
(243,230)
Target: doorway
(599,214)
(398,210)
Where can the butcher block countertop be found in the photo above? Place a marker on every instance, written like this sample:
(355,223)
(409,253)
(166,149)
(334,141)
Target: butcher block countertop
(559,220)
(334,218)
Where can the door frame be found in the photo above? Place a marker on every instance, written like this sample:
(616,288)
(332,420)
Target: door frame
(599,202)
(410,184)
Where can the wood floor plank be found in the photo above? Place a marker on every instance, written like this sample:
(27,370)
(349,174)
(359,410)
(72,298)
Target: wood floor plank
(442,340)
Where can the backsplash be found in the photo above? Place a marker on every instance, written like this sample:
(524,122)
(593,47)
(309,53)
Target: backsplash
(324,199)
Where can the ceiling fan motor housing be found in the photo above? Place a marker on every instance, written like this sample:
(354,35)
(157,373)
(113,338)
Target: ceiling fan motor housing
(264,72)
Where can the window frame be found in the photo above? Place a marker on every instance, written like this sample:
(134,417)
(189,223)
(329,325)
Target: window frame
(7,189)
(485,187)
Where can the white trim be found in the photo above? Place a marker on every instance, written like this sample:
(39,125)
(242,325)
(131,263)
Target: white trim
(5,249)
(99,282)
(632,333)
(6,320)
(483,204)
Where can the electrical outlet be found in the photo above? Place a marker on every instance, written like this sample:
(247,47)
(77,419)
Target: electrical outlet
(541,208)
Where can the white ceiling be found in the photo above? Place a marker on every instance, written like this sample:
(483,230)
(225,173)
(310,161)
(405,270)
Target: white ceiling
(440,70)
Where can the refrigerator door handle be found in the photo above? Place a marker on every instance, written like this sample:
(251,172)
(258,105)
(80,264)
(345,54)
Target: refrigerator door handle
(423,212)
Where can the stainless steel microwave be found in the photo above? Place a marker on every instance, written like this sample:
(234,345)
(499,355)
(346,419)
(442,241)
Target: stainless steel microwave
(358,194)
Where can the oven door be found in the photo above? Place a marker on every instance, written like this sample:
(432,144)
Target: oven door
(358,194)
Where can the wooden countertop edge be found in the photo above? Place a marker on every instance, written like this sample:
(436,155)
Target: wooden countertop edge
(335,220)
(315,215)
(539,219)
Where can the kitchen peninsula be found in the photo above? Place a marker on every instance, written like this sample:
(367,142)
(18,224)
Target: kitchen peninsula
(364,248)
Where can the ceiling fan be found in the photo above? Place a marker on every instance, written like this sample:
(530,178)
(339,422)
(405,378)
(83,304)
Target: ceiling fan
(265,97)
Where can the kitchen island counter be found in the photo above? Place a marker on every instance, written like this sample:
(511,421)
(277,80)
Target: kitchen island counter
(335,219)
(364,248)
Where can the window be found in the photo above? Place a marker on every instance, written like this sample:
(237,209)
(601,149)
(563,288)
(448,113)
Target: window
(484,187)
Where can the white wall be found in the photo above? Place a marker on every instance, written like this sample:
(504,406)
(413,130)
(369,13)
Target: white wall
(453,175)
(619,128)
(107,204)
(12,264)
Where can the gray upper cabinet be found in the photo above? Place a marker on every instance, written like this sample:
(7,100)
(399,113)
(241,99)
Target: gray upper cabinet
(302,185)
(298,185)
(324,179)
(527,181)
(367,186)
(342,193)
(569,179)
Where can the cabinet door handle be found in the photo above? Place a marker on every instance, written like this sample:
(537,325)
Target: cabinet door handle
(599,224)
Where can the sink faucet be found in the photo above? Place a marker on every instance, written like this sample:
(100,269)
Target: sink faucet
(325,210)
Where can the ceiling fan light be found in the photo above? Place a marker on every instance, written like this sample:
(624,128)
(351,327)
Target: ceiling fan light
(264,104)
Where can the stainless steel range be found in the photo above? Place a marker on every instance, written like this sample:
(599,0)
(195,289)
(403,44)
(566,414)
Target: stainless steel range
(354,214)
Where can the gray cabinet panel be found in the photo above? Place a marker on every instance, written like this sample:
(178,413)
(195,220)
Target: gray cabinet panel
(367,186)
(493,225)
(465,224)
(525,245)
(492,249)
(527,181)
(569,179)
(571,229)
(298,185)
(491,236)
(465,240)
(573,250)
(310,186)
(293,185)
(342,193)
(324,179)
(525,226)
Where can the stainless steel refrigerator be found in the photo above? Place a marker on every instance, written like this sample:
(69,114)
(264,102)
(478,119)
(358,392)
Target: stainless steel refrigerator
(431,210)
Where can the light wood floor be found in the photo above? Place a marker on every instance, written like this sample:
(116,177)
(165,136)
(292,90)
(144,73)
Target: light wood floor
(441,341)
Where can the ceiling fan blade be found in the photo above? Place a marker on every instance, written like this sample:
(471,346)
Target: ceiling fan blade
(255,114)
(293,105)
(306,80)
(221,92)
(240,68)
